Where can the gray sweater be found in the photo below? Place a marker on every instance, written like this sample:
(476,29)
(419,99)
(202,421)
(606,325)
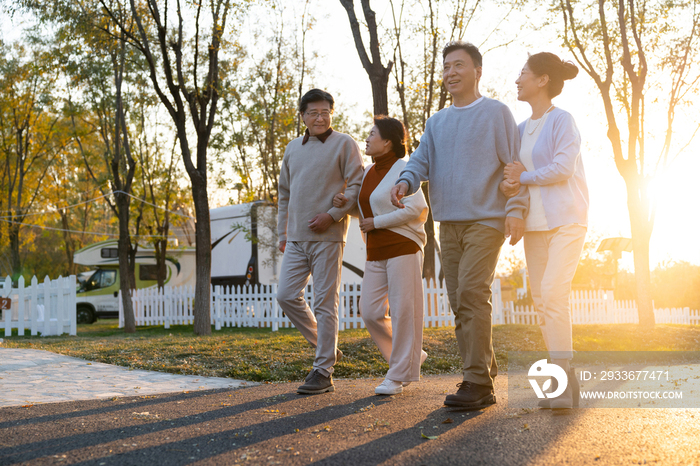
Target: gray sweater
(462,152)
(310,175)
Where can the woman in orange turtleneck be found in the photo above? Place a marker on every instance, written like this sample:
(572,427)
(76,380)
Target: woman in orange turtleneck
(393,271)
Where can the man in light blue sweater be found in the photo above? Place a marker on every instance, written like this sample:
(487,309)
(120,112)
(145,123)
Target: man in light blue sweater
(462,152)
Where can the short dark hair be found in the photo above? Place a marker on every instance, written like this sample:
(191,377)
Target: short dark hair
(393,130)
(315,95)
(468,47)
(557,69)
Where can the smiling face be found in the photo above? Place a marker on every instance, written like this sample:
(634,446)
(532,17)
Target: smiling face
(460,76)
(530,86)
(318,117)
(375,145)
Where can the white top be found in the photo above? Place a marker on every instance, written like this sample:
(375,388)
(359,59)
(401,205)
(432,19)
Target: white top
(536,219)
(558,170)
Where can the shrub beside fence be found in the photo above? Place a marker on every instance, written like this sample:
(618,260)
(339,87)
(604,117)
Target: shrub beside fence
(256,306)
(47,308)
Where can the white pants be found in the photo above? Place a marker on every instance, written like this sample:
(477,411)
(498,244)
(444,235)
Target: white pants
(323,261)
(395,283)
(552,257)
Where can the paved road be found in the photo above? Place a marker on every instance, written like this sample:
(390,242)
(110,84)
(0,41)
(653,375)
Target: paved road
(271,424)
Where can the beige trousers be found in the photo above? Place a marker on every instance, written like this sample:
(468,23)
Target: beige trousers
(395,284)
(469,258)
(552,257)
(323,261)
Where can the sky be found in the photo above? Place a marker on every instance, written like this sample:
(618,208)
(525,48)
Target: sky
(338,70)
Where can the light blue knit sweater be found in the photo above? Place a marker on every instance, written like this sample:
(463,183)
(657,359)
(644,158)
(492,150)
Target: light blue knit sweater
(462,153)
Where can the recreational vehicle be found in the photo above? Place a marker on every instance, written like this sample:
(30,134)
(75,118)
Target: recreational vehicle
(97,295)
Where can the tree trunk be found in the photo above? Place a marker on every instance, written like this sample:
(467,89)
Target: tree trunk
(378,73)
(69,243)
(379,93)
(132,263)
(431,246)
(125,274)
(641,229)
(161,247)
(15,258)
(202,313)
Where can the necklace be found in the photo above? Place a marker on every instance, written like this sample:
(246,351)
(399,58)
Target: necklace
(538,121)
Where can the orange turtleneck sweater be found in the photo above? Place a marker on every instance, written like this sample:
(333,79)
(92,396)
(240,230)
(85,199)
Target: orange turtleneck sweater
(382,244)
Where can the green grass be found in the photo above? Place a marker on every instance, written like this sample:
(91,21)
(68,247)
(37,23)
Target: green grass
(262,355)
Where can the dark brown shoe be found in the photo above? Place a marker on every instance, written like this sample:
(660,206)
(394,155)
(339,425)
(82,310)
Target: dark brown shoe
(472,396)
(317,383)
(338,357)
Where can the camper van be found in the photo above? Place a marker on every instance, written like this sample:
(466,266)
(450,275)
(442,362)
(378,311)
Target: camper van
(97,295)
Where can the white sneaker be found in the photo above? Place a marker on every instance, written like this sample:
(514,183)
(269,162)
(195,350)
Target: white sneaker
(388,387)
(423,357)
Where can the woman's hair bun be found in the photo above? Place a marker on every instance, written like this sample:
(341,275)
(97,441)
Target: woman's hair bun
(557,69)
(569,70)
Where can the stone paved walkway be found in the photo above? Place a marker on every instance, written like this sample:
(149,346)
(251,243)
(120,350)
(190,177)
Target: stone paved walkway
(35,376)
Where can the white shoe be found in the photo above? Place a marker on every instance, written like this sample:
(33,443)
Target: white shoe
(388,387)
(423,357)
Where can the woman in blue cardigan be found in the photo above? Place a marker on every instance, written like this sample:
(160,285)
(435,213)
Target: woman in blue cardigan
(555,228)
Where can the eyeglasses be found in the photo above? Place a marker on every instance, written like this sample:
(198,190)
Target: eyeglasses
(314,115)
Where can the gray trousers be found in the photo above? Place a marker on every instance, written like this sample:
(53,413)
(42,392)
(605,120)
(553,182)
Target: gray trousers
(323,262)
(469,257)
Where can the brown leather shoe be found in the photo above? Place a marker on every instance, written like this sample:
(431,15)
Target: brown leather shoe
(317,383)
(472,396)
(338,357)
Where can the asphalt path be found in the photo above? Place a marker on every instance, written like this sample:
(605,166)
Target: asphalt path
(271,424)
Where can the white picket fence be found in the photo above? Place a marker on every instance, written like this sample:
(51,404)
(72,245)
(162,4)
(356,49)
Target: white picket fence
(256,306)
(47,308)
(598,307)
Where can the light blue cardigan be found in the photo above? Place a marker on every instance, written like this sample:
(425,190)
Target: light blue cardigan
(559,170)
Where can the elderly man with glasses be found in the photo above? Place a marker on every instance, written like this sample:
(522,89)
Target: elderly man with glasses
(312,232)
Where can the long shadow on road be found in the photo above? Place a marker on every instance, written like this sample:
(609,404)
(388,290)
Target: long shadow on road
(104,414)
(224,442)
(271,424)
